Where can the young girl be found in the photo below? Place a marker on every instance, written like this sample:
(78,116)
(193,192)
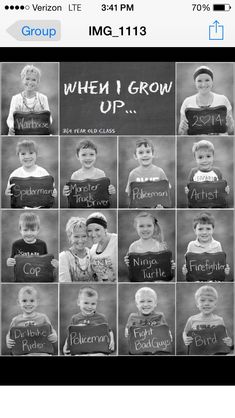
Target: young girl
(29,100)
(151,236)
(75,263)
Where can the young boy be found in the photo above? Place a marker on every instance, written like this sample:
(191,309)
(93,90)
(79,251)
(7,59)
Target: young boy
(28,301)
(206,298)
(29,244)
(86,153)
(203,152)
(87,302)
(27,152)
(147,171)
(203,225)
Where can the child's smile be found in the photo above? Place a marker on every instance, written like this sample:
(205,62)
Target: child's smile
(28,303)
(28,158)
(204,159)
(206,304)
(204,232)
(87,157)
(88,304)
(144,155)
(146,303)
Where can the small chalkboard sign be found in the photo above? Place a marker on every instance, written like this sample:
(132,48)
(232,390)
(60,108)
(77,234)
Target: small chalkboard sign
(89,339)
(208,341)
(31,339)
(34,268)
(205,267)
(150,267)
(204,121)
(150,194)
(32,123)
(89,193)
(207,194)
(32,192)
(150,340)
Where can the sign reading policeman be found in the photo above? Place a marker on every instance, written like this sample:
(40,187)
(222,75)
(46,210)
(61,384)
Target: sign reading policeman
(204,121)
(150,340)
(89,339)
(32,192)
(31,339)
(207,194)
(32,123)
(205,266)
(150,267)
(150,194)
(89,193)
(208,341)
(34,268)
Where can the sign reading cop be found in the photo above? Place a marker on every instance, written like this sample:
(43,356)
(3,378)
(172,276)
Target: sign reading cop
(32,192)
(205,266)
(31,339)
(89,339)
(150,267)
(89,193)
(150,194)
(150,340)
(208,341)
(204,121)
(34,268)
(32,123)
(207,194)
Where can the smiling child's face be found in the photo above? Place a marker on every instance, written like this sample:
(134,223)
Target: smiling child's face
(144,155)
(29,235)
(87,304)
(204,233)
(145,227)
(87,157)
(27,157)
(204,159)
(206,303)
(28,302)
(146,302)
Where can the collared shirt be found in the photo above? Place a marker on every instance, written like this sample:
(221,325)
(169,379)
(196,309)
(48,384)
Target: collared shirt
(196,247)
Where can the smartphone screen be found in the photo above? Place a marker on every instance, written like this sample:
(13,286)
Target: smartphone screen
(117,189)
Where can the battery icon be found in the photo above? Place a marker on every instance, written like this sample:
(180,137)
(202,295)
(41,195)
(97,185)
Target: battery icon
(221,7)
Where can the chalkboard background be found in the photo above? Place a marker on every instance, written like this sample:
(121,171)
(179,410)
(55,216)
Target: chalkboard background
(47,158)
(164,158)
(186,307)
(10,232)
(165,304)
(48,85)
(106,161)
(65,215)
(48,304)
(222,83)
(223,233)
(154,112)
(68,306)
(223,159)
(127,234)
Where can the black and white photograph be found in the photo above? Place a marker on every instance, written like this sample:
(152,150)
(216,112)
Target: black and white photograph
(30,94)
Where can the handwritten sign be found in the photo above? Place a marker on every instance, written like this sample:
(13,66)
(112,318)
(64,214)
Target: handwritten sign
(32,192)
(203,121)
(89,193)
(208,341)
(150,267)
(150,340)
(32,123)
(149,194)
(205,267)
(89,339)
(31,339)
(207,194)
(34,268)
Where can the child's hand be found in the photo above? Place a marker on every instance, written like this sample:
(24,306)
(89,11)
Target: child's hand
(8,191)
(159,206)
(10,343)
(183,128)
(52,337)
(111,343)
(66,351)
(11,262)
(11,131)
(227,189)
(187,340)
(66,191)
(173,265)
(111,189)
(126,332)
(184,270)
(55,263)
(228,341)
(126,260)
(186,190)
(54,193)
(227,270)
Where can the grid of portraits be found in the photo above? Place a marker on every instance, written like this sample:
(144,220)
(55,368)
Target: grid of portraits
(117,208)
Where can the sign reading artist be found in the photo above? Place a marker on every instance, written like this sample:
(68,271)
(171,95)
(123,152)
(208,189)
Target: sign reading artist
(150,267)
(150,194)
(32,123)
(208,341)
(34,268)
(150,340)
(32,192)
(31,339)
(207,194)
(89,193)
(89,339)
(205,267)
(210,120)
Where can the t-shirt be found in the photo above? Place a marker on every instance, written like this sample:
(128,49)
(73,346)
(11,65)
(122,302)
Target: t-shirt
(154,246)
(197,322)
(153,319)
(104,264)
(198,175)
(96,173)
(74,269)
(20,247)
(21,172)
(95,319)
(36,318)
(142,174)
(212,247)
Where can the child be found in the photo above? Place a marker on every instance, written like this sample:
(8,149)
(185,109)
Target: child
(147,171)
(86,153)
(203,152)
(203,225)
(206,299)
(75,263)
(87,302)
(28,301)
(151,236)
(29,244)
(27,152)
(29,100)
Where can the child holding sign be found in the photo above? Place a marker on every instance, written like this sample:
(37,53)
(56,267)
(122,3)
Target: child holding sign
(86,153)
(27,152)
(29,100)
(147,171)
(28,300)
(29,244)
(206,298)
(87,317)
